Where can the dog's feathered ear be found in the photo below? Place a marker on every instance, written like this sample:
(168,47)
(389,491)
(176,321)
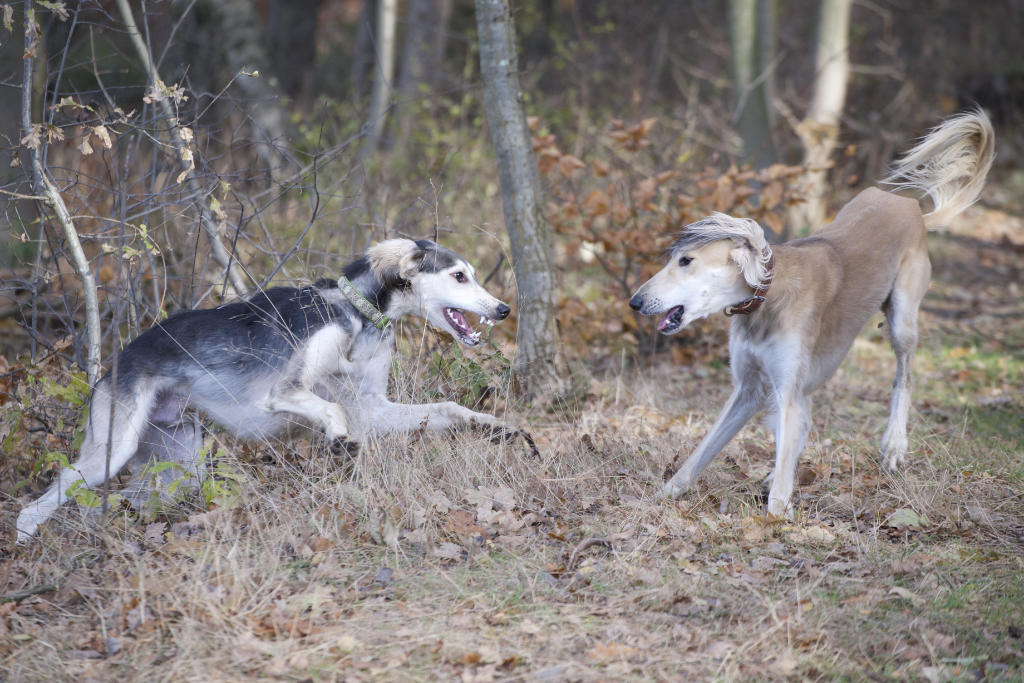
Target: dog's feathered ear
(751,253)
(396,259)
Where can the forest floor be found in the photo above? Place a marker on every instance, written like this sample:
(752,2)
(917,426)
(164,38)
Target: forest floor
(446,557)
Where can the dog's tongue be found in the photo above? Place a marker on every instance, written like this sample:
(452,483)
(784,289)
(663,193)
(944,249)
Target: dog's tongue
(674,315)
(458,320)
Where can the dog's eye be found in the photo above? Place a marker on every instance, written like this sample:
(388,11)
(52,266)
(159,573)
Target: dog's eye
(685,260)
(459,276)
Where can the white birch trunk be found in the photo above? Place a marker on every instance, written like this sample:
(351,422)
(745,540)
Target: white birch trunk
(819,131)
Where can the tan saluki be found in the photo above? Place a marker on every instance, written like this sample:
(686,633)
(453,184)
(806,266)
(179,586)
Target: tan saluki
(798,306)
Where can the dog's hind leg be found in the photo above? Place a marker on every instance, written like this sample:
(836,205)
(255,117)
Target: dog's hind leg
(128,422)
(901,310)
(174,448)
(741,406)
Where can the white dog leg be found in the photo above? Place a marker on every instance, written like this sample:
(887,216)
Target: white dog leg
(741,406)
(901,313)
(793,423)
(128,424)
(323,355)
(388,417)
(306,404)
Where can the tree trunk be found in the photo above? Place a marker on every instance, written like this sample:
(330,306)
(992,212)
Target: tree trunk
(752,35)
(291,43)
(383,75)
(539,361)
(820,129)
(364,54)
(422,59)
(239,43)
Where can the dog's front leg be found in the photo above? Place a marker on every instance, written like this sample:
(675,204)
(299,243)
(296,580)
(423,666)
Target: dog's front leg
(322,355)
(304,403)
(402,417)
(791,427)
(741,406)
(398,417)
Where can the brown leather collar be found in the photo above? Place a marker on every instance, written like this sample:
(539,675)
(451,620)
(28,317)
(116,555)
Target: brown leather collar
(750,305)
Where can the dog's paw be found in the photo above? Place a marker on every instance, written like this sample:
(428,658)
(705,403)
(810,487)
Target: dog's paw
(26,526)
(893,460)
(343,447)
(894,450)
(777,507)
(498,434)
(672,490)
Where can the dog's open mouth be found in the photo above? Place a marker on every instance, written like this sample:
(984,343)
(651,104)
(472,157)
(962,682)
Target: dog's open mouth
(464,331)
(672,321)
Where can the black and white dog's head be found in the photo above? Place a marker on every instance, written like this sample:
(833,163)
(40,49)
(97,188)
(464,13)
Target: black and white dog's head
(434,283)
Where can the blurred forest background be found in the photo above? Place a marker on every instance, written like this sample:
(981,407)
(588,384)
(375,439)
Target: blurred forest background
(295,132)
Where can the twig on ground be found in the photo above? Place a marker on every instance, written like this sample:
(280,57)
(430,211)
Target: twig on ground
(18,596)
(583,545)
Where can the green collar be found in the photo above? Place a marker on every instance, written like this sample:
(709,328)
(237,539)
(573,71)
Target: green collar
(362,304)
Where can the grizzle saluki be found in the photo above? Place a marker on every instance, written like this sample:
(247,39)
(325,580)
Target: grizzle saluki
(321,353)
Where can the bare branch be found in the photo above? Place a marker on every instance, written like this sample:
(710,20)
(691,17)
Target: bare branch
(42,185)
(183,153)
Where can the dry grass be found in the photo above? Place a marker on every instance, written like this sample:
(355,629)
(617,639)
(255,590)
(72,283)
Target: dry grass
(450,557)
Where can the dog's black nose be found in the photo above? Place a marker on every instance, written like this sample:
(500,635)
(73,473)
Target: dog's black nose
(502,311)
(637,302)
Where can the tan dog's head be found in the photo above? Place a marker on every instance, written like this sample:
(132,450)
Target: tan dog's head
(434,283)
(715,263)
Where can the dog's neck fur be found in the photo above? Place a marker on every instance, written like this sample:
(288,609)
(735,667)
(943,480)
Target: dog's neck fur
(387,297)
(796,264)
(383,295)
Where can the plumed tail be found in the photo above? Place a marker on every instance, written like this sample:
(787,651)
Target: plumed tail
(949,166)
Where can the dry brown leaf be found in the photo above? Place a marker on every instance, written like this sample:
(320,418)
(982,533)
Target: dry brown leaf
(597,202)
(569,164)
(449,551)
(103,134)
